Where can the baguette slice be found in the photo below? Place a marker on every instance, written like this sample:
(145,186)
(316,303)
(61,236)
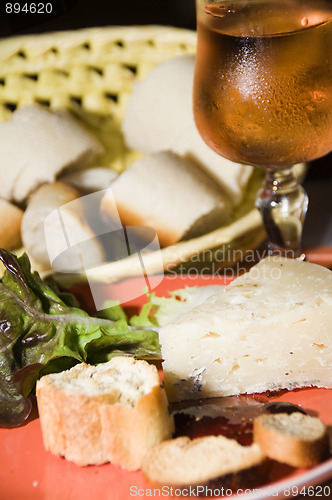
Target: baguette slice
(90,180)
(113,412)
(209,461)
(36,145)
(160,106)
(169,194)
(296,439)
(68,229)
(159,116)
(10,225)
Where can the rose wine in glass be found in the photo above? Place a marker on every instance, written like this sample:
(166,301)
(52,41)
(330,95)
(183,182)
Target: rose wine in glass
(263,96)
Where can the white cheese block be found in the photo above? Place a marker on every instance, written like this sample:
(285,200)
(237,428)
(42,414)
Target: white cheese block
(269,329)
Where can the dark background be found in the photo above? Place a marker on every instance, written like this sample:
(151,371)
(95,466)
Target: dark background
(72,14)
(75,14)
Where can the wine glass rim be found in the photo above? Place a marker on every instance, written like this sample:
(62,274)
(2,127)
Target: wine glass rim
(279,33)
(324,20)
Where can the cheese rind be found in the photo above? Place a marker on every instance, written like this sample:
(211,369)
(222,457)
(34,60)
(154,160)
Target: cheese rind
(269,329)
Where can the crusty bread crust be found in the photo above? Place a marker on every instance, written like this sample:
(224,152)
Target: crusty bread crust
(296,439)
(71,426)
(10,225)
(129,217)
(137,429)
(95,429)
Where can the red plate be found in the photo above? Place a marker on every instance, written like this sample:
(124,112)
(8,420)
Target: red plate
(28,472)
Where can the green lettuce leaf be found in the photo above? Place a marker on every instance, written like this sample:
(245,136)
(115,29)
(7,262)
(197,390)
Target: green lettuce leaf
(42,332)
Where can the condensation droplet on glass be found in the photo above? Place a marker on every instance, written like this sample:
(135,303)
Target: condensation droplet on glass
(304,21)
(318,95)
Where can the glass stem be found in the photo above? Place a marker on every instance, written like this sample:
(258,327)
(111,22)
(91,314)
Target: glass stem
(283,204)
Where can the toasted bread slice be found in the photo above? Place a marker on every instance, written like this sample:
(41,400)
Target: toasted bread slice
(296,439)
(202,463)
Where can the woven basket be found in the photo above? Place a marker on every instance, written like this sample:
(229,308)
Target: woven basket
(89,72)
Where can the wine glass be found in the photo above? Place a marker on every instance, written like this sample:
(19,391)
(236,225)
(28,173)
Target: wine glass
(263,97)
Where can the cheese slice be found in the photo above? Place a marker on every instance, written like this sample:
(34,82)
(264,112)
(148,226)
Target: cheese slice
(269,329)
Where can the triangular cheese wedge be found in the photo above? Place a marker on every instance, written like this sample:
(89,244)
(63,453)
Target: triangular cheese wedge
(269,329)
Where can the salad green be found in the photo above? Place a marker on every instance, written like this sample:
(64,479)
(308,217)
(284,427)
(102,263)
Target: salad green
(44,331)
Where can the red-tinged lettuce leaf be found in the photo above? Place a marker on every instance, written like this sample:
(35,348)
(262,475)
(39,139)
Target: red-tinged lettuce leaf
(14,406)
(40,333)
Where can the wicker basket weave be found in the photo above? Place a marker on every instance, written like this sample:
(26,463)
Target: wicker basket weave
(89,72)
